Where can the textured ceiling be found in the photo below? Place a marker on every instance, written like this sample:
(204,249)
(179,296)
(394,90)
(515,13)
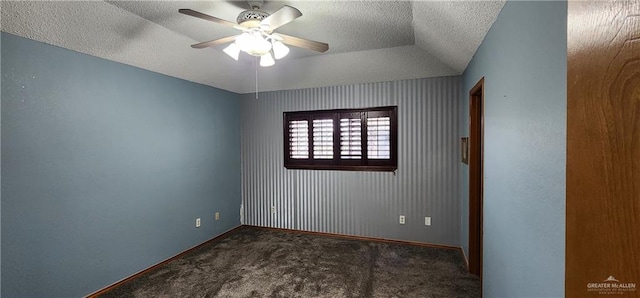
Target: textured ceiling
(369,41)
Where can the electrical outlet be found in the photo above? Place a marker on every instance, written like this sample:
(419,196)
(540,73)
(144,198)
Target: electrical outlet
(427,221)
(273,209)
(198,222)
(217,215)
(401,219)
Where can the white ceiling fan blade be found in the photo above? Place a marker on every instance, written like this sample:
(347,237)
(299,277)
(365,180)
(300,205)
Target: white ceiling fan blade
(207,17)
(281,17)
(212,43)
(304,43)
(241,28)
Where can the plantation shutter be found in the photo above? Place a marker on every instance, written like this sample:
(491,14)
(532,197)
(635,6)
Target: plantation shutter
(350,136)
(346,139)
(299,139)
(378,135)
(323,138)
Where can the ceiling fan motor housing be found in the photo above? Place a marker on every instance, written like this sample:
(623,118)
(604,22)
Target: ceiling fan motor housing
(251,18)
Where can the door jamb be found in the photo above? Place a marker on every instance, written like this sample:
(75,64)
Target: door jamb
(476,174)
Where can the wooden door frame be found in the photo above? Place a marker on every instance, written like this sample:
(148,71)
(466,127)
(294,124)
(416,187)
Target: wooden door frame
(476,171)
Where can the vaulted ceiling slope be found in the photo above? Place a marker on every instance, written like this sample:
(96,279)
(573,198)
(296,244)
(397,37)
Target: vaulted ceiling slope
(369,41)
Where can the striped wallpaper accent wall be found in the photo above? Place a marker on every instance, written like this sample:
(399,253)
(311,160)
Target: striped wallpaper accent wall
(359,203)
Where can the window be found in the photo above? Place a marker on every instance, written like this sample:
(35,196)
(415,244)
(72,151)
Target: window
(357,140)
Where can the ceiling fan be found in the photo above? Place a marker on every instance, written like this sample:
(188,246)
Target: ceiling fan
(258,37)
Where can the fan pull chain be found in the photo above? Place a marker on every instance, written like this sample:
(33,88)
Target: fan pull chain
(256,63)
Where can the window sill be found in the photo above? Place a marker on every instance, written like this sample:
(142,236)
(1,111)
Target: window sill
(343,168)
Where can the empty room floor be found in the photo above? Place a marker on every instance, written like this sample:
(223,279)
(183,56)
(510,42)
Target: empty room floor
(258,262)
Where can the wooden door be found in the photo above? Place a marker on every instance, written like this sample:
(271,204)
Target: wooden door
(603,149)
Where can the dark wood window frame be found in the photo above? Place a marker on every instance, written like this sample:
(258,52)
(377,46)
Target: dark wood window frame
(360,160)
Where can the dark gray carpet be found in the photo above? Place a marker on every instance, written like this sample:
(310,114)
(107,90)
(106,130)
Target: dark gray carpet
(253,262)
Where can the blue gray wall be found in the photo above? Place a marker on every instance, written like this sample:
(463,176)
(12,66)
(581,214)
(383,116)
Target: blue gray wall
(105,168)
(0,173)
(359,203)
(523,60)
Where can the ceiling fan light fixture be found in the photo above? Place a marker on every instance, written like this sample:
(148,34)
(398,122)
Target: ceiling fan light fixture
(253,43)
(233,51)
(279,49)
(267,60)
